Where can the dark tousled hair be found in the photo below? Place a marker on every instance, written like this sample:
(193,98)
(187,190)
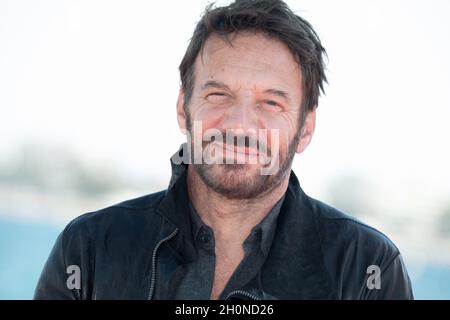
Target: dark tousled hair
(273,18)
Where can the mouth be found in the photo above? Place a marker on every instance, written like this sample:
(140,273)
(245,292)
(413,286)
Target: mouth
(237,150)
(241,154)
(246,151)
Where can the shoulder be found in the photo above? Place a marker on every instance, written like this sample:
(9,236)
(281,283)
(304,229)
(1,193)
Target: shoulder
(338,227)
(132,214)
(97,239)
(354,252)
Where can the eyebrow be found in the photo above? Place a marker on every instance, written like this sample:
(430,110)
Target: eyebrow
(220,85)
(215,84)
(279,93)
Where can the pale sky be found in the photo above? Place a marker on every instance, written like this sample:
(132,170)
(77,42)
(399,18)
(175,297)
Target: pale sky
(101,77)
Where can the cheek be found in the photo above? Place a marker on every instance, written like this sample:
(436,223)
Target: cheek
(209,118)
(204,119)
(286,127)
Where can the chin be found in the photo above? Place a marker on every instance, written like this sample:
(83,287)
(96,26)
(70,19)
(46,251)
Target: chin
(235,181)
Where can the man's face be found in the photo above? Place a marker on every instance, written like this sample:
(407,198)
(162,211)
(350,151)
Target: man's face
(241,89)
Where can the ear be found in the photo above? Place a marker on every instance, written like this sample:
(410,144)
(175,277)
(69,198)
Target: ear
(307,130)
(181,115)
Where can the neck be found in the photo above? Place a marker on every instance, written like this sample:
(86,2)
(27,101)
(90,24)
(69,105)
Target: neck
(231,219)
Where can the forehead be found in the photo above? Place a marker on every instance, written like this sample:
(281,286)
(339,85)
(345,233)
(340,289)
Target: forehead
(250,59)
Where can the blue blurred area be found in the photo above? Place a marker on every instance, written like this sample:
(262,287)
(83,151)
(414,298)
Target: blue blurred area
(24,247)
(433,283)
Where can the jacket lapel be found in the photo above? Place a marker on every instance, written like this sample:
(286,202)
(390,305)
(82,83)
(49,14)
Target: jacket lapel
(294,268)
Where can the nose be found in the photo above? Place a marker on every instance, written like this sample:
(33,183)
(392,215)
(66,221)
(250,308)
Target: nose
(241,116)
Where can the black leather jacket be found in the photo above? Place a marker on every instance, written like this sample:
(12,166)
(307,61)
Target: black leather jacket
(137,250)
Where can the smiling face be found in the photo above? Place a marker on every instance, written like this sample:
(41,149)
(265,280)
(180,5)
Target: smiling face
(242,88)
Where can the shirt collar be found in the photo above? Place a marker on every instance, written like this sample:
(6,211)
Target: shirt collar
(262,233)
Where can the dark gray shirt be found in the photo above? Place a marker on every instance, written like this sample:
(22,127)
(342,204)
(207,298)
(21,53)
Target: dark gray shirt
(198,280)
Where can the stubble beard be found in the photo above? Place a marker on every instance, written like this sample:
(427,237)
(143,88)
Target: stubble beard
(244,181)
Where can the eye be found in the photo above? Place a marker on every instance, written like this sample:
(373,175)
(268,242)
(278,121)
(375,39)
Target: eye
(273,105)
(216,96)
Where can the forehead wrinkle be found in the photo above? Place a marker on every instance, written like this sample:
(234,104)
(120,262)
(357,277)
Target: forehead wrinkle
(212,65)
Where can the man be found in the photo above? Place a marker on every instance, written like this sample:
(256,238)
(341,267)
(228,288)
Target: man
(234,222)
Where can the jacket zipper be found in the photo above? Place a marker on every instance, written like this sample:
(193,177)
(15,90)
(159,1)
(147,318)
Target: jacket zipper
(153,277)
(242,293)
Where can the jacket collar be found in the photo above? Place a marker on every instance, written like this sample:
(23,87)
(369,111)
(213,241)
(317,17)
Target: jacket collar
(174,207)
(294,267)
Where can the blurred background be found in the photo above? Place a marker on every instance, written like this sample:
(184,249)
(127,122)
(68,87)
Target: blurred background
(87,119)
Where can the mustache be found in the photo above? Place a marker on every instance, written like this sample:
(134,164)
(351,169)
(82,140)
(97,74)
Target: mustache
(240,141)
